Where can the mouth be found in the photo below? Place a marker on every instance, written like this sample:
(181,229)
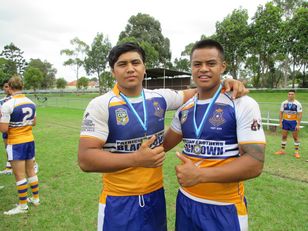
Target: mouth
(132,77)
(204,77)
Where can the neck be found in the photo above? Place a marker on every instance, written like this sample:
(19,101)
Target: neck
(131,92)
(16,93)
(207,93)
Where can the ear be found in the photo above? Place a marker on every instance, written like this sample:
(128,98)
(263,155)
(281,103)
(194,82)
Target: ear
(112,72)
(224,66)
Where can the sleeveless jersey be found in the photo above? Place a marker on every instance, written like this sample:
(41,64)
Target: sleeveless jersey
(290,110)
(19,112)
(229,123)
(110,119)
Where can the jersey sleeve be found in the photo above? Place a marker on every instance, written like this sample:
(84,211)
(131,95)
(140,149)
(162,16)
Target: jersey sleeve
(299,108)
(249,121)
(173,98)
(175,124)
(6,111)
(282,106)
(95,120)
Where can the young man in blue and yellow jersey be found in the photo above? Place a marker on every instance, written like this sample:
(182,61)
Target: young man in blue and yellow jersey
(18,115)
(122,134)
(223,145)
(290,116)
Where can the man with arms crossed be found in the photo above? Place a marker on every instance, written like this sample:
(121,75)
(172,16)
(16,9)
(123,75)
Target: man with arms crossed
(223,146)
(121,136)
(290,117)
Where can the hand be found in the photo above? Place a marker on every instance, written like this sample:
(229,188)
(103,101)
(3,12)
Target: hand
(237,87)
(187,173)
(149,157)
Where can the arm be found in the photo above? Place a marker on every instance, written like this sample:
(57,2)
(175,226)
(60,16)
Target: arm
(237,87)
(299,119)
(280,118)
(34,121)
(171,139)
(4,127)
(248,166)
(92,158)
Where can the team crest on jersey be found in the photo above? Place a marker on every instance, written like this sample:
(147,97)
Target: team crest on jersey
(122,116)
(184,116)
(255,125)
(159,112)
(87,124)
(217,118)
(197,149)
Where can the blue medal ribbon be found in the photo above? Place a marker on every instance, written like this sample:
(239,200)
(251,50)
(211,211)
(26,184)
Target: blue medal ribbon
(198,129)
(144,122)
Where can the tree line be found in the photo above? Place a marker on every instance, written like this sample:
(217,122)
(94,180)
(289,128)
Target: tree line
(267,50)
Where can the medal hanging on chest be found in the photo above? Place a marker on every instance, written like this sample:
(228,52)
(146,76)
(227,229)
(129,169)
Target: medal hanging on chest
(198,129)
(143,122)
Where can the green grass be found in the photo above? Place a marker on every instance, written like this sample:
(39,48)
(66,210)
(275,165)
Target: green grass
(277,199)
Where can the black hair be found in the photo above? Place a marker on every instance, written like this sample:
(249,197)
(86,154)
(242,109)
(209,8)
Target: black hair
(120,49)
(208,43)
(292,90)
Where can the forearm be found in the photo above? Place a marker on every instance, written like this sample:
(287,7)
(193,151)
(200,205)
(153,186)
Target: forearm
(95,160)
(280,116)
(245,167)
(299,118)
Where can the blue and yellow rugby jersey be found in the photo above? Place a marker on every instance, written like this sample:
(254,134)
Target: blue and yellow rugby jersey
(110,119)
(290,110)
(19,112)
(229,123)
(3,100)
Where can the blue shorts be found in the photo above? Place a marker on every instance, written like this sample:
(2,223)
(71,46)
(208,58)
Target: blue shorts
(193,215)
(4,135)
(289,125)
(133,213)
(23,151)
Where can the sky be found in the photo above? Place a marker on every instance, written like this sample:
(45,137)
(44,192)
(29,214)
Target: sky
(42,28)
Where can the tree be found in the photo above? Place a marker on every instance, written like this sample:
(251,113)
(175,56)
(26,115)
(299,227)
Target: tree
(7,70)
(232,33)
(96,60)
(265,41)
(61,83)
(83,82)
(145,28)
(297,42)
(288,6)
(76,54)
(182,64)
(15,55)
(108,80)
(49,73)
(33,78)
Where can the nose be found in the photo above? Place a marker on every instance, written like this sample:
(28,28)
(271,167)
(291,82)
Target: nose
(130,68)
(204,67)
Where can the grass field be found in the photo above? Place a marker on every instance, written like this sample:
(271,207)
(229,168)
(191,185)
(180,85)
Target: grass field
(277,200)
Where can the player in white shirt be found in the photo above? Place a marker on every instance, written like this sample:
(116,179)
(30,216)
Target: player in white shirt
(223,145)
(290,116)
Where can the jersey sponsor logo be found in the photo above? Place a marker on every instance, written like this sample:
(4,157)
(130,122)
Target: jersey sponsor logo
(217,118)
(87,124)
(122,116)
(204,147)
(159,112)
(134,144)
(255,125)
(184,116)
